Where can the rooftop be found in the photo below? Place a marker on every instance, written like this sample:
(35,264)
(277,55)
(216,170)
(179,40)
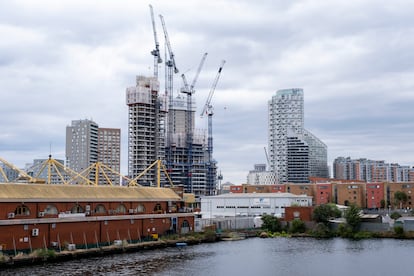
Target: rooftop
(256,195)
(69,193)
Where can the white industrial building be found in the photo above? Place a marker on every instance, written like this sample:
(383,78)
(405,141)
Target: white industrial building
(251,204)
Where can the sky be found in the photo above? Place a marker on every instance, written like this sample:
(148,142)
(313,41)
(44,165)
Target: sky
(69,60)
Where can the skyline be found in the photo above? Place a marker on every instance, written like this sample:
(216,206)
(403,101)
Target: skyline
(74,60)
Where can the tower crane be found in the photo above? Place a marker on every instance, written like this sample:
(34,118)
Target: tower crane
(156,51)
(171,68)
(189,90)
(208,109)
(171,62)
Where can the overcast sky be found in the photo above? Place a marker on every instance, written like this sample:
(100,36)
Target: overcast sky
(69,60)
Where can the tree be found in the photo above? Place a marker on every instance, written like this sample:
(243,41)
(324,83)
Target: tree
(400,198)
(324,212)
(353,217)
(271,223)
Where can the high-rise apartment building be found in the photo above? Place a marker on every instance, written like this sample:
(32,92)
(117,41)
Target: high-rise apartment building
(146,128)
(295,154)
(82,145)
(87,144)
(109,154)
(371,170)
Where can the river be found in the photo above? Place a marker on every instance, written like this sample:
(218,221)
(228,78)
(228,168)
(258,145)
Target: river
(254,256)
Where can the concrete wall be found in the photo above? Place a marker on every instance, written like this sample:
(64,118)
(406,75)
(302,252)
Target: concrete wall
(375,227)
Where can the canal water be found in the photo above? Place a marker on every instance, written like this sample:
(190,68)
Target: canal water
(254,256)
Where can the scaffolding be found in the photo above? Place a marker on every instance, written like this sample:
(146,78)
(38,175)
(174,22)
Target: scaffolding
(146,127)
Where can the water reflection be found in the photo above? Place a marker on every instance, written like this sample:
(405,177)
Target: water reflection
(278,256)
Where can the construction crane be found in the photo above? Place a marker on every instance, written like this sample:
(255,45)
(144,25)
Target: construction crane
(171,68)
(171,62)
(189,90)
(208,109)
(156,51)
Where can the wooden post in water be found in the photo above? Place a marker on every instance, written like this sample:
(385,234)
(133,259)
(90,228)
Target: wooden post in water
(14,245)
(96,238)
(139,235)
(84,239)
(44,242)
(30,244)
(107,236)
(60,248)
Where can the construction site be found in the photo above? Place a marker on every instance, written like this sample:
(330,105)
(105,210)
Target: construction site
(161,126)
(164,146)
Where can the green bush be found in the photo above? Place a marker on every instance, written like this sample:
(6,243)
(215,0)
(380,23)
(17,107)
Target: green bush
(298,226)
(395,215)
(345,231)
(399,231)
(271,223)
(322,231)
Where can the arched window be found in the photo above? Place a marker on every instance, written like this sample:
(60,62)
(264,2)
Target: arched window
(185,227)
(51,210)
(121,209)
(185,224)
(100,209)
(77,209)
(22,210)
(158,208)
(140,208)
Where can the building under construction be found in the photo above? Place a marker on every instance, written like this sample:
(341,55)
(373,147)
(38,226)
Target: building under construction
(147,137)
(161,127)
(146,128)
(188,164)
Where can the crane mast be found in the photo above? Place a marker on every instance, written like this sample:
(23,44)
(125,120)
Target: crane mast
(208,109)
(156,51)
(189,90)
(171,68)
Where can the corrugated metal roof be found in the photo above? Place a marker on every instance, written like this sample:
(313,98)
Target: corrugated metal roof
(49,193)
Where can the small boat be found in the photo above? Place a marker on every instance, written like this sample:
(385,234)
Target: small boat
(180,244)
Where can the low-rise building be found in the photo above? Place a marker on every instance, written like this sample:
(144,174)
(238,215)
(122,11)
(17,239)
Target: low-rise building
(347,194)
(251,204)
(38,215)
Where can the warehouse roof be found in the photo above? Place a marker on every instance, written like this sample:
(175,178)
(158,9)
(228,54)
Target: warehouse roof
(68,193)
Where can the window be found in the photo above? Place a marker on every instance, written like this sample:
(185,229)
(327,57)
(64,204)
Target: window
(100,209)
(140,208)
(51,210)
(22,210)
(77,209)
(185,224)
(158,208)
(121,209)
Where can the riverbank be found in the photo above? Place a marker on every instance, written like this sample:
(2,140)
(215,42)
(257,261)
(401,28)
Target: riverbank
(40,256)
